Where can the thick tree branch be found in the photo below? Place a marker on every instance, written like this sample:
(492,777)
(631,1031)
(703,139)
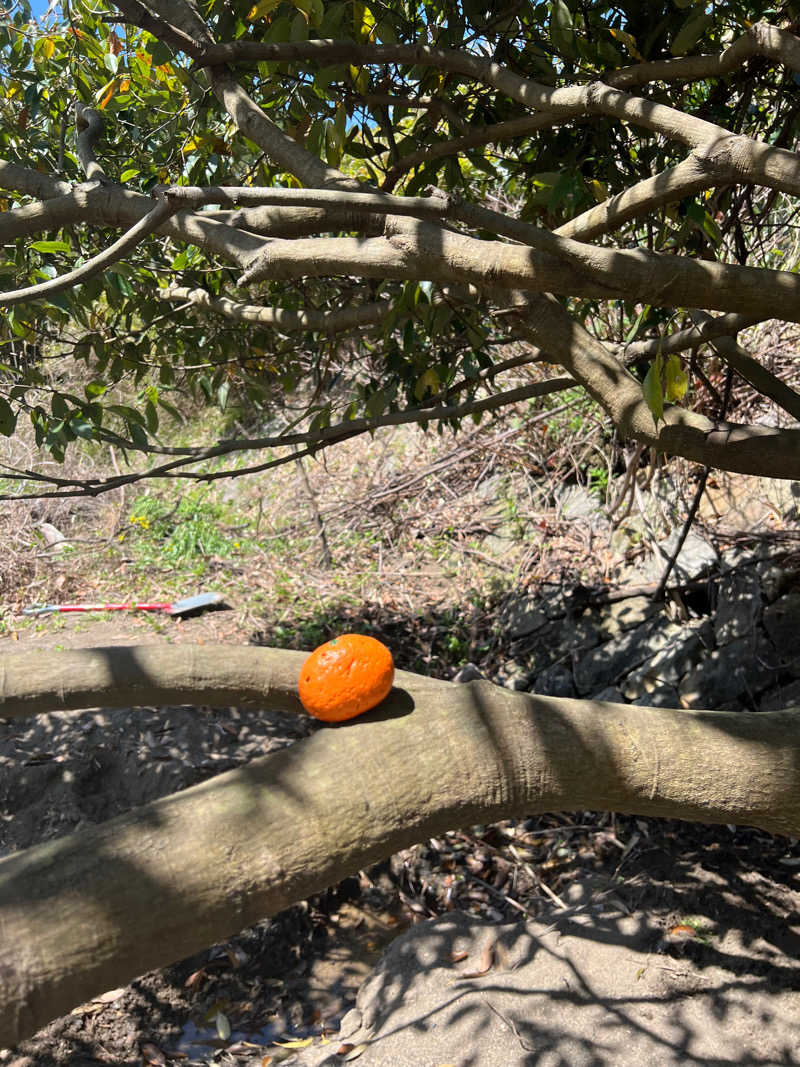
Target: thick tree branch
(137,14)
(355,201)
(714,443)
(52,214)
(692,175)
(298,221)
(90,125)
(31,182)
(493,134)
(423,250)
(433,757)
(254,124)
(116,205)
(692,337)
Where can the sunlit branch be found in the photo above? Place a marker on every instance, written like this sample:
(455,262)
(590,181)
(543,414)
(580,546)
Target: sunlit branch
(97,264)
(310,441)
(759,39)
(758,161)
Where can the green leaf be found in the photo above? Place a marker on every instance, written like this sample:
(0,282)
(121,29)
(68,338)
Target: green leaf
(8,418)
(638,322)
(562,35)
(50,246)
(151,416)
(690,33)
(81,427)
(159,53)
(652,391)
(260,10)
(131,172)
(429,382)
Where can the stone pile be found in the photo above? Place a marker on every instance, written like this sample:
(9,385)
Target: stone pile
(730,640)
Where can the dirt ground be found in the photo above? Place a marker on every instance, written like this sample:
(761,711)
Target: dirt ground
(261,997)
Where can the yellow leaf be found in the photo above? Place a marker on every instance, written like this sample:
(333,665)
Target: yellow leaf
(298,1042)
(427,382)
(47,47)
(261,9)
(599,190)
(360,78)
(363,21)
(110,90)
(628,40)
(677,379)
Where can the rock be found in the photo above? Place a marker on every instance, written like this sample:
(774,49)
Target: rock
(738,671)
(661,696)
(522,616)
(607,664)
(613,619)
(520,683)
(668,666)
(559,641)
(555,602)
(738,605)
(610,695)
(468,673)
(782,623)
(786,696)
(696,557)
(773,579)
(576,502)
(555,681)
(583,988)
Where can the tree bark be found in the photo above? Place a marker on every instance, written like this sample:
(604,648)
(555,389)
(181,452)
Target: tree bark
(92,910)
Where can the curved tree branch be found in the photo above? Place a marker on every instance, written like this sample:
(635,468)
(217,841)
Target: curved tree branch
(433,757)
(261,130)
(90,125)
(312,440)
(762,380)
(745,449)
(287,321)
(492,134)
(692,337)
(165,29)
(752,159)
(102,261)
(690,176)
(760,39)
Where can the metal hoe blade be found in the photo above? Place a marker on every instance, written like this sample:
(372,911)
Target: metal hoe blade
(193,605)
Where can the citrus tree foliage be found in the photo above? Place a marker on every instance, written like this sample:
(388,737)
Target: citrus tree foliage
(336,215)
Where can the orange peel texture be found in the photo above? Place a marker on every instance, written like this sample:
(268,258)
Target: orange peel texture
(346,677)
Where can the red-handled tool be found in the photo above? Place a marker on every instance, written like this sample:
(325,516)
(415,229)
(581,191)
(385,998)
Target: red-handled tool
(190,605)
